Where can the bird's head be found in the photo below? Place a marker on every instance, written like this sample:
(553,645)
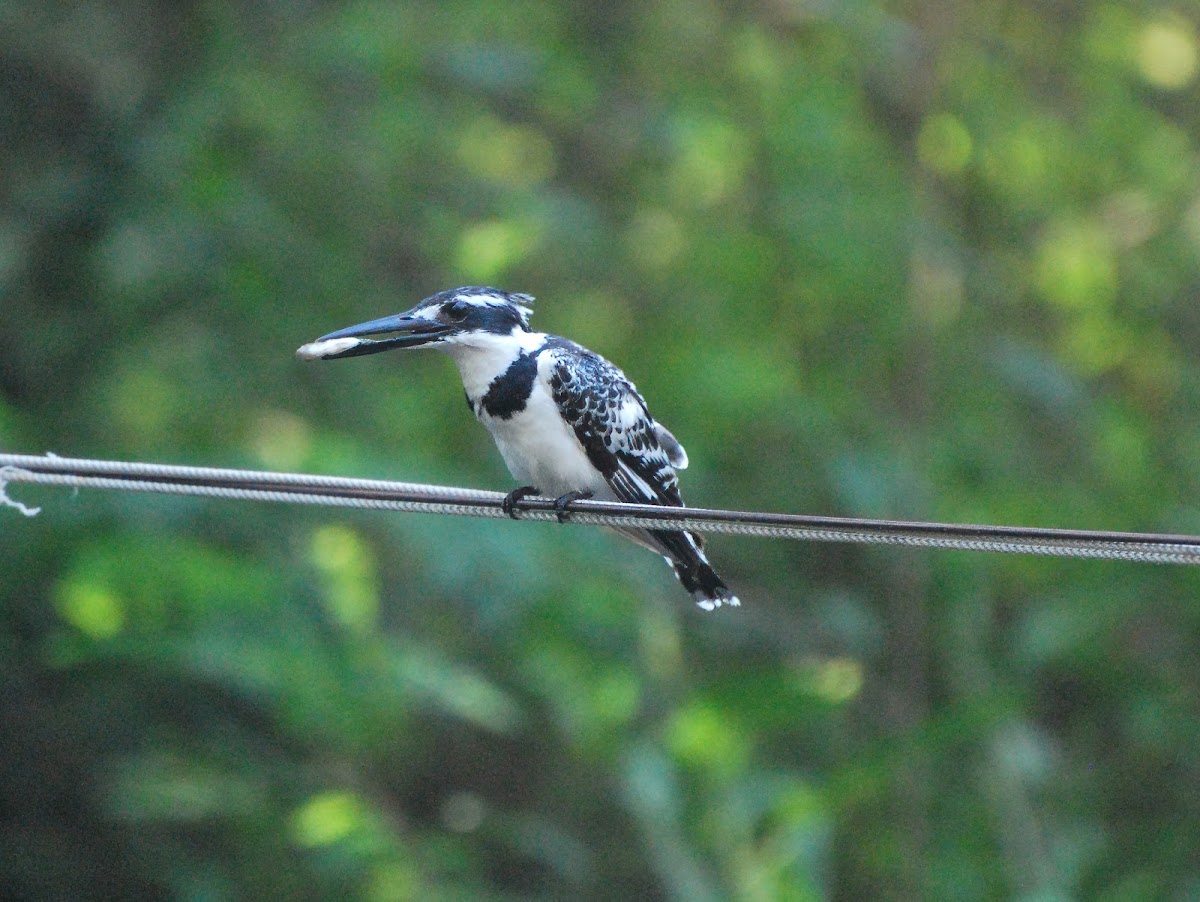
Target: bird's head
(460,316)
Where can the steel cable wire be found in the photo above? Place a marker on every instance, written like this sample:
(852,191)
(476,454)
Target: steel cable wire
(373,494)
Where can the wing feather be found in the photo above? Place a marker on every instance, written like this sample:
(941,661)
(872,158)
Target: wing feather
(636,455)
(611,421)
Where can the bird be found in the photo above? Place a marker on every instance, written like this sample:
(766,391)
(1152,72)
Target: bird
(567,422)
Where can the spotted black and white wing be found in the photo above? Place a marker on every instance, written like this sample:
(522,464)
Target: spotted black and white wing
(616,430)
(636,455)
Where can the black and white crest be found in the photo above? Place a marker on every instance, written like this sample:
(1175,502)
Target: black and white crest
(479,309)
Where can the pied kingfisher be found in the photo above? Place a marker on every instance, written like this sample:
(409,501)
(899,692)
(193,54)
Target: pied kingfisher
(567,422)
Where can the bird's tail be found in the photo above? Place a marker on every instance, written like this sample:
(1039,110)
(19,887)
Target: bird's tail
(684,551)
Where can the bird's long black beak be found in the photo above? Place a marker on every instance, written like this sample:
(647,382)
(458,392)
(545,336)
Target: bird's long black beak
(406,331)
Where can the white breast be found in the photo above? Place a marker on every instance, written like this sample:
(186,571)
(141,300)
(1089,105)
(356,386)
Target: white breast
(540,448)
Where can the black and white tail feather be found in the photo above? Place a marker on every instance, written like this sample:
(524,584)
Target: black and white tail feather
(564,419)
(637,455)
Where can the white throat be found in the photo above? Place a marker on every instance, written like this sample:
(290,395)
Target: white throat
(482,356)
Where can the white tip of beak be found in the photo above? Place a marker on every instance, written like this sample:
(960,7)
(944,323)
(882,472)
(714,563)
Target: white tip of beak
(318,349)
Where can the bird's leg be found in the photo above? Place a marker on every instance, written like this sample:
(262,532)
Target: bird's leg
(561,502)
(514,496)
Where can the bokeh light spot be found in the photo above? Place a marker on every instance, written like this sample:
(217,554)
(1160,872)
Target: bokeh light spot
(327,818)
(702,737)
(91,609)
(834,679)
(944,144)
(755,58)
(1167,55)
(655,239)
(395,882)
(488,249)
(1076,266)
(710,164)
(1022,159)
(281,440)
(348,570)
(509,154)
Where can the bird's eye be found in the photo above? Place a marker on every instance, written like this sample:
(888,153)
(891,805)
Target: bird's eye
(457,311)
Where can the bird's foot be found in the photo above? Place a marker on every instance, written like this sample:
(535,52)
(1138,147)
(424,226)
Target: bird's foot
(561,502)
(514,496)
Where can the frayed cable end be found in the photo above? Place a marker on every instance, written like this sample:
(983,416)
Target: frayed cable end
(9,502)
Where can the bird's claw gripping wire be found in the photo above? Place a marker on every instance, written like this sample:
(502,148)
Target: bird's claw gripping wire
(507,505)
(561,502)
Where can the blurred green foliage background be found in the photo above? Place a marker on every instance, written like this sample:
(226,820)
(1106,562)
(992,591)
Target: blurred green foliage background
(914,259)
